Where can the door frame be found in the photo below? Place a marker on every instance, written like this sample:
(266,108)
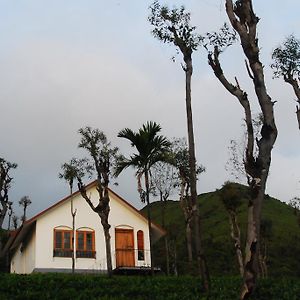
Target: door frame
(127,252)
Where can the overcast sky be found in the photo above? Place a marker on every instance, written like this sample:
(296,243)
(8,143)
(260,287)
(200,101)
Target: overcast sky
(68,64)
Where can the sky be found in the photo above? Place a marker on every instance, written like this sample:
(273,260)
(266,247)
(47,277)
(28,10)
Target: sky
(74,63)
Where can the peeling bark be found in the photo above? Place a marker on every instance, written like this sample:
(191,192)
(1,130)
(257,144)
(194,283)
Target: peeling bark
(236,236)
(244,21)
(187,212)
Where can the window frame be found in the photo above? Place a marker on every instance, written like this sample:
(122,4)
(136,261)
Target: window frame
(140,245)
(62,252)
(85,253)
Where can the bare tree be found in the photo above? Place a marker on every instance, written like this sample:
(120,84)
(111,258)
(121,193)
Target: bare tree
(244,21)
(181,161)
(70,171)
(265,235)
(103,156)
(24,202)
(286,64)
(5,185)
(10,213)
(173,26)
(231,200)
(164,182)
(15,220)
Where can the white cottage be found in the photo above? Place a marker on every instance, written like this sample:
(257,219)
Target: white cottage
(44,242)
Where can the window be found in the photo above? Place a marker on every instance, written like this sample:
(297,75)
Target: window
(62,243)
(85,244)
(140,242)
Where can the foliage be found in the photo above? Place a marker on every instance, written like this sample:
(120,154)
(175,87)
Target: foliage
(85,287)
(220,40)
(173,26)
(75,168)
(286,58)
(231,196)
(99,148)
(151,148)
(282,234)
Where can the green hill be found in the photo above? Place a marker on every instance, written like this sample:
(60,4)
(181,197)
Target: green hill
(283,238)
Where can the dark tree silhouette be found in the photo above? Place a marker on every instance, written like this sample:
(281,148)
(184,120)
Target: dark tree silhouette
(15,220)
(24,202)
(5,185)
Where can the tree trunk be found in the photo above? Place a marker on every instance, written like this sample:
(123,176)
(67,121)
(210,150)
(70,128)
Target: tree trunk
(166,240)
(294,83)
(102,209)
(236,236)
(108,250)
(188,233)
(147,185)
(193,178)
(263,258)
(188,216)
(3,212)
(73,214)
(244,21)
(103,214)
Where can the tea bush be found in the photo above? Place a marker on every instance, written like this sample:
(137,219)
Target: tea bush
(88,287)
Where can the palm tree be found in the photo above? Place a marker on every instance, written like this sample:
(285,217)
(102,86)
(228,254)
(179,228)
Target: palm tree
(151,148)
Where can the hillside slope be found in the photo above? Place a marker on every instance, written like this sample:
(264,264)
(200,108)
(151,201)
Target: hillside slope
(282,239)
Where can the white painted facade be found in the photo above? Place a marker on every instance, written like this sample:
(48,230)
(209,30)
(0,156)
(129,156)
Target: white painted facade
(35,251)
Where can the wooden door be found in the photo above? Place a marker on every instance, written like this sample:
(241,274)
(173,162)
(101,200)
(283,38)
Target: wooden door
(124,248)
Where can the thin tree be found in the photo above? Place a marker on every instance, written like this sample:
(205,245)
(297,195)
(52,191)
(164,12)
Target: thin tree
(5,184)
(103,157)
(244,21)
(70,171)
(180,155)
(24,202)
(286,64)
(10,213)
(151,148)
(15,221)
(173,26)
(266,231)
(164,182)
(231,199)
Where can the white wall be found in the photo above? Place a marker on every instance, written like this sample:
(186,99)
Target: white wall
(24,262)
(120,216)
